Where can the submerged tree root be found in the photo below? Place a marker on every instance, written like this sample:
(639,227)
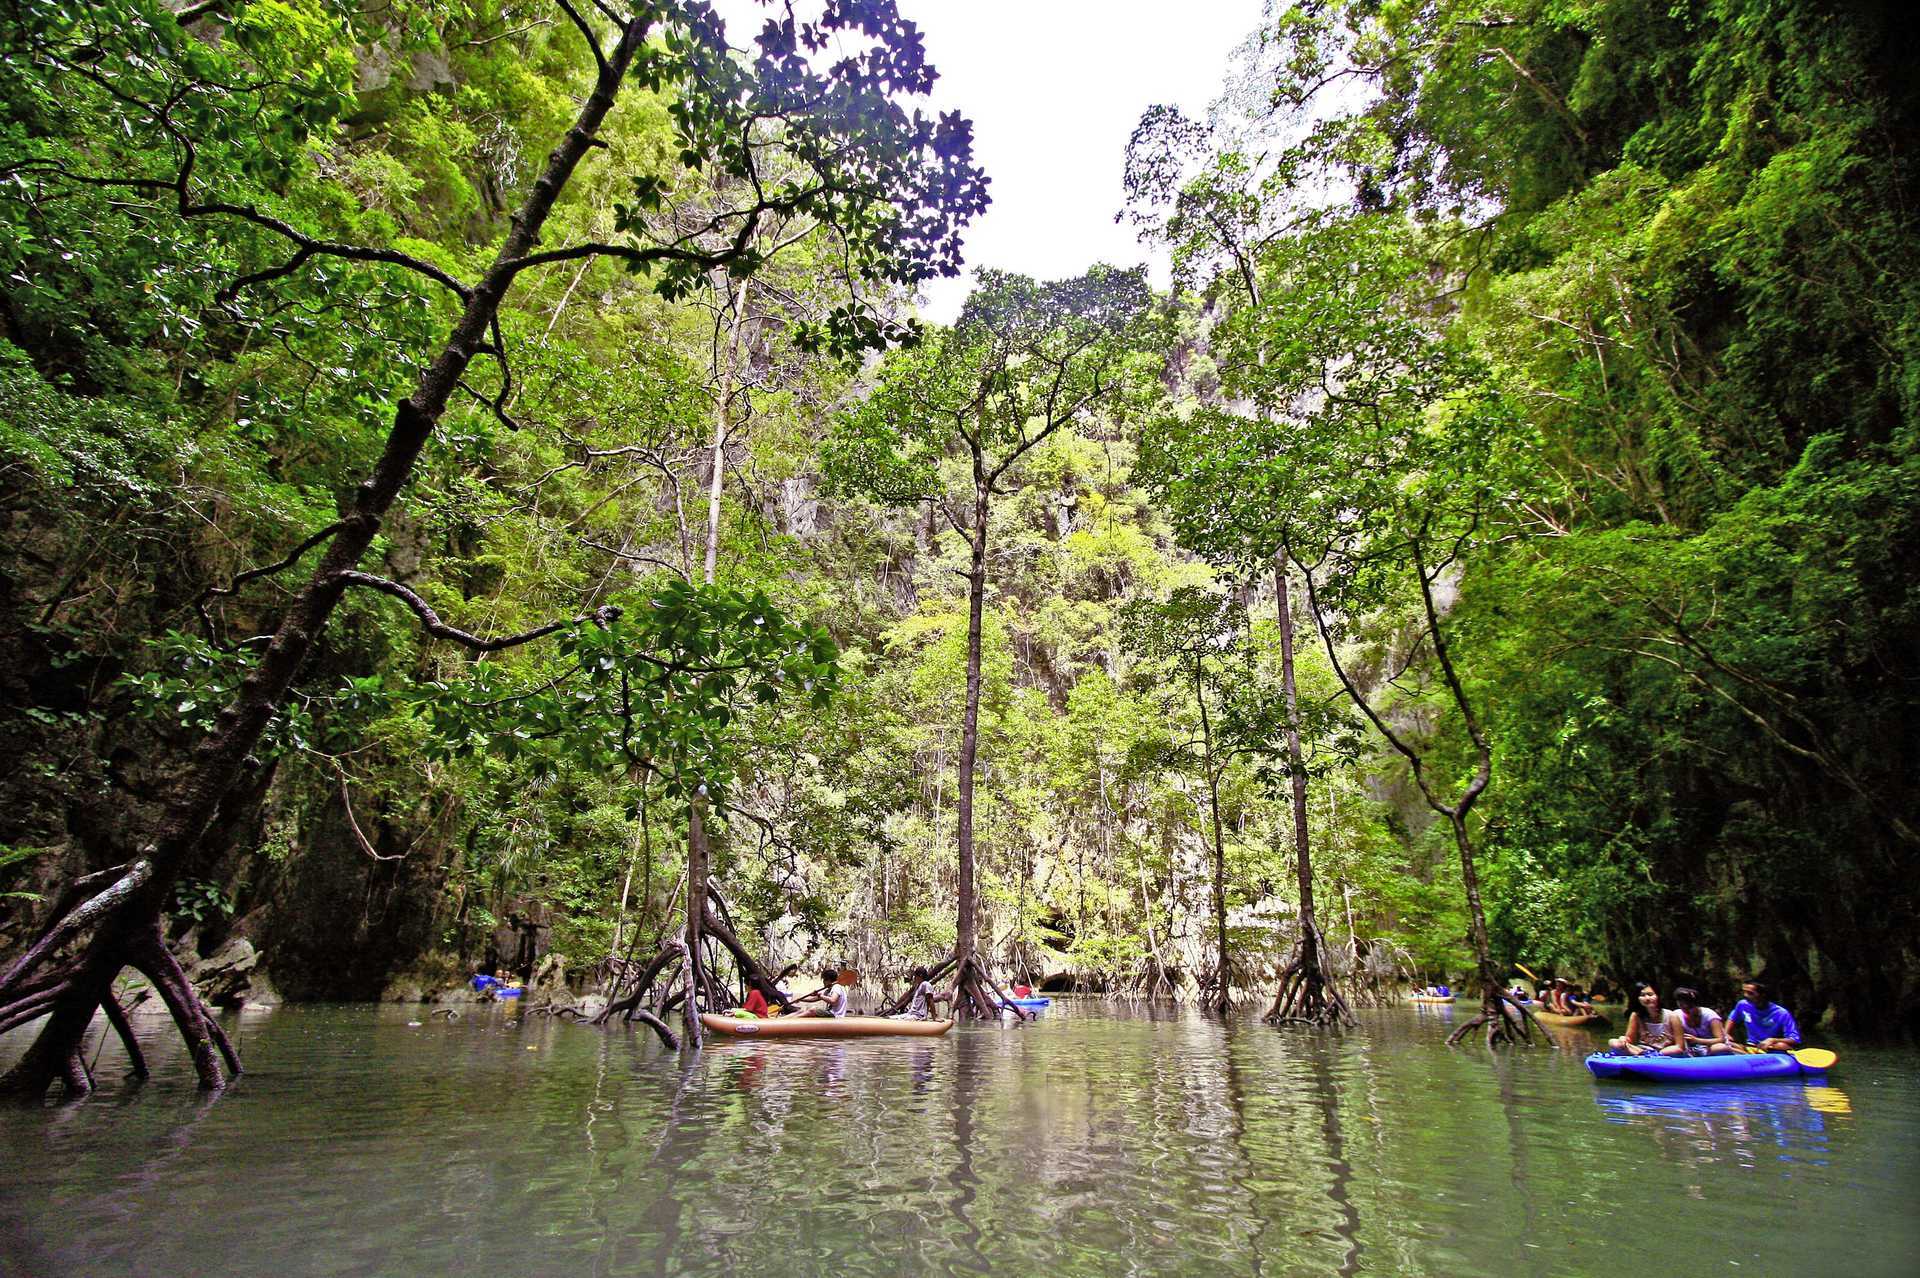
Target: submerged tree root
(975,992)
(1216,987)
(1503,1021)
(117,927)
(1308,994)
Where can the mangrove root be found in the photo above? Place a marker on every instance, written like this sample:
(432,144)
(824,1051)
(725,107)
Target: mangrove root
(1308,994)
(1503,1020)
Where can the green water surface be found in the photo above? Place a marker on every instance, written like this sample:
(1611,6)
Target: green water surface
(1101,1140)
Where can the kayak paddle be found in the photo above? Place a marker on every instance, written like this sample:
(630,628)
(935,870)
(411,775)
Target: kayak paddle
(1810,1057)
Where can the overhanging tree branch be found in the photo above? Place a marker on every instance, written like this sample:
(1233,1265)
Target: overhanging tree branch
(430,620)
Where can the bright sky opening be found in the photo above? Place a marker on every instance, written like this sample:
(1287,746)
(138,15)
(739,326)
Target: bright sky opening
(1054,88)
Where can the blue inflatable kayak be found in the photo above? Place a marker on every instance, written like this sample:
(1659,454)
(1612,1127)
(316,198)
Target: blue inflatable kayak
(1027,1004)
(1698,1069)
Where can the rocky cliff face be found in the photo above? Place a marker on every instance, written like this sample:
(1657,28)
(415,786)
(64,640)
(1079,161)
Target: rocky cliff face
(284,898)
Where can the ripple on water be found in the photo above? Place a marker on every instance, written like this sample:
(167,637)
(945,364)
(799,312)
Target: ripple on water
(1099,1141)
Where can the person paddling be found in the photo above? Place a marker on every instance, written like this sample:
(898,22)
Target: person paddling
(1758,1021)
(832,991)
(925,1001)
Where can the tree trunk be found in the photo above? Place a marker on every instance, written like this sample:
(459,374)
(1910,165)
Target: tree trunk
(973,988)
(225,758)
(1296,765)
(1306,995)
(966,928)
(723,427)
(1222,972)
(1504,1020)
(634,778)
(696,905)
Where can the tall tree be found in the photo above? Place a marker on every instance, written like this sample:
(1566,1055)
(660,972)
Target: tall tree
(1194,632)
(1024,362)
(1218,194)
(1409,455)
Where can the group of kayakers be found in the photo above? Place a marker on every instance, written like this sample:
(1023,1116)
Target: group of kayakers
(1693,1029)
(923,1001)
(1565,998)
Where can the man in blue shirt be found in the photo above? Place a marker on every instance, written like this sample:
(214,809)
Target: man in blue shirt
(1761,1022)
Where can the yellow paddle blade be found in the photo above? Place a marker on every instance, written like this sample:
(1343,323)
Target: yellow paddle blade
(1529,971)
(1816,1058)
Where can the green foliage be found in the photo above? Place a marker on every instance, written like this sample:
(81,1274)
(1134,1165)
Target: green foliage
(199,901)
(1611,316)
(1604,314)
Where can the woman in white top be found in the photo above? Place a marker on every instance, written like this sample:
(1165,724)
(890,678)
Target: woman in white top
(1652,1030)
(1705,1032)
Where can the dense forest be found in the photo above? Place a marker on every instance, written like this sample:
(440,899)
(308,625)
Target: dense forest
(475,480)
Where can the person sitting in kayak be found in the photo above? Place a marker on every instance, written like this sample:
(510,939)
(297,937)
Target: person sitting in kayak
(1704,1033)
(925,1001)
(1651,1030)
(1758,1021)
(1578,1004)
(834,993)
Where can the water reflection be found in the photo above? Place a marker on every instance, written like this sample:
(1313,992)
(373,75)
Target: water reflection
(1102,1141)
(1339,1192)
(1749,1122)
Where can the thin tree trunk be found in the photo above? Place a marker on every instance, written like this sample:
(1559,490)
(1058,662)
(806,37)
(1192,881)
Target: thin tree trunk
(966,929)
(972,985)
(1505,1021)
(723,427)
(696,905)
(1222,973)
(1296,765)
(626,883)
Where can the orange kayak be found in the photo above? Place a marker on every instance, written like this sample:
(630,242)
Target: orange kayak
(821,1026)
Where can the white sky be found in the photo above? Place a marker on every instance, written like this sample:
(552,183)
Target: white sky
(1054,88)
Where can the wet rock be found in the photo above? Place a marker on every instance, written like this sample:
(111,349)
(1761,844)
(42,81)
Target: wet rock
(261,994)
(550,976)
(225,979)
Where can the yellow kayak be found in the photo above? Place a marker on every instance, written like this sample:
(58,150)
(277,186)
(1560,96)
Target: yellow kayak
(1554,1018)
(1432,998)
(821,1026)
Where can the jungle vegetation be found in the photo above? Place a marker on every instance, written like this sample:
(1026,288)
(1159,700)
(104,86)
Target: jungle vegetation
(469,462)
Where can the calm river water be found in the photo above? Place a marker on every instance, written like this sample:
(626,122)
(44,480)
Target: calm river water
(1098,1141)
